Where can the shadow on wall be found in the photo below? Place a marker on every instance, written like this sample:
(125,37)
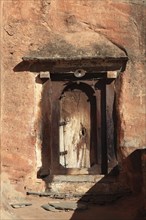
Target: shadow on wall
(105,195)
(44,172)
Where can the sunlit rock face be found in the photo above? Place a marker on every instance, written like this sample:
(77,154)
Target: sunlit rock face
(67,28)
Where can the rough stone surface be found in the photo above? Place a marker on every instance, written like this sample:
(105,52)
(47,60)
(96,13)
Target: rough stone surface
(49,208)
(83,187)
(20,205)
(144,177)
(77,178)
(69,205)
(66,206)
(66,26)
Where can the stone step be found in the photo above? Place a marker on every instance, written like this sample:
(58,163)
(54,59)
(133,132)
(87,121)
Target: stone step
(77,178)
(81,184)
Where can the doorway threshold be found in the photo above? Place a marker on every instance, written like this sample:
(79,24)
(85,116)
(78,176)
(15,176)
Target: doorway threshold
(80,184)
(77,178)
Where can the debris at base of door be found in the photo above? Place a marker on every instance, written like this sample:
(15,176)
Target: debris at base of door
(20,205)
(64,206)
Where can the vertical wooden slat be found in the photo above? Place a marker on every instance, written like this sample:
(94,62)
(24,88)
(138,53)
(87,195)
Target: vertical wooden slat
(103,128)
(50,121)
(93,132)
(55,112)
(110,125)
(98,132)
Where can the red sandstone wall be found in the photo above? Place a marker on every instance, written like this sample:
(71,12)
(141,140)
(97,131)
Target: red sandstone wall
(27,26)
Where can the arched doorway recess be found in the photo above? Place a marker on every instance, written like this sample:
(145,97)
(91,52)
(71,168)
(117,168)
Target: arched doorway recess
(78,128)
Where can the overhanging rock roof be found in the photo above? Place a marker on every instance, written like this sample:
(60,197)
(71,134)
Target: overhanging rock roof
(80,50)
(78,45)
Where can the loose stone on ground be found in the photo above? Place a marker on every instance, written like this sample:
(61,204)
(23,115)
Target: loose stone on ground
(20,205)
(49,208)
(66,206)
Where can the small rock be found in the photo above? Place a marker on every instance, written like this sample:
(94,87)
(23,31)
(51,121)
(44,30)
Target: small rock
(49,208)
(69,206)
(59,197)
(20,205)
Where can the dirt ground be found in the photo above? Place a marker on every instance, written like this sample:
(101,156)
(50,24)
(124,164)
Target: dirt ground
(124,209)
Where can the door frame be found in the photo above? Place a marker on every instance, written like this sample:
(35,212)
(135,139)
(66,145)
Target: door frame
(99,165)
(58,88)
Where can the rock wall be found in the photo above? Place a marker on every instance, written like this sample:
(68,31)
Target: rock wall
(41,26)
(144,176)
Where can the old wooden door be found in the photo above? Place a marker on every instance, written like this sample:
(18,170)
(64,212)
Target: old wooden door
(74,129)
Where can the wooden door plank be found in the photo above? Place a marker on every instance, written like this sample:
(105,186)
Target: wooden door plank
(110,95)
(76,142)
